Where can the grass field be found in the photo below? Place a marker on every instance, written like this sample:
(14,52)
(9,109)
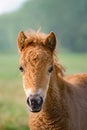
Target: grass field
(13,109)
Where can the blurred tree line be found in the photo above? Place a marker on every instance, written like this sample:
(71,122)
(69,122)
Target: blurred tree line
(67,18)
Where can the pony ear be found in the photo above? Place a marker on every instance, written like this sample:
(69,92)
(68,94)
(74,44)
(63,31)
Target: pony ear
(51,41)
(21,41)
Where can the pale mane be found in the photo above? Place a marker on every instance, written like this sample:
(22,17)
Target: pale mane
(36,36)
(59,68)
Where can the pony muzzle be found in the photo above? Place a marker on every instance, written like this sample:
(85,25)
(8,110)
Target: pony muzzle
(35,103)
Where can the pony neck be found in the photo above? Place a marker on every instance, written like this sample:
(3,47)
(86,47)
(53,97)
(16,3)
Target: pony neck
(54,100)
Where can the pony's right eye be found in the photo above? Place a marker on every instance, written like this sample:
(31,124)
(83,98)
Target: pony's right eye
(50,69)
(21,69)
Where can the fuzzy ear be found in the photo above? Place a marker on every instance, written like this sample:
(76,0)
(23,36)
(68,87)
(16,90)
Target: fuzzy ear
(51,41)
(21,40)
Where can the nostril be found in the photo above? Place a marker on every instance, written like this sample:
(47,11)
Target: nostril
(33,102)
(28,100)
(40,101)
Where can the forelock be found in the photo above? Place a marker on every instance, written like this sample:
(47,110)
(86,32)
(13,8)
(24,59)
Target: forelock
(36,36)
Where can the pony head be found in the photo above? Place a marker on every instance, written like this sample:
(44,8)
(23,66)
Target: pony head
(36,64)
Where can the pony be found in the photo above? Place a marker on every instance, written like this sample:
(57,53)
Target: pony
(55,101)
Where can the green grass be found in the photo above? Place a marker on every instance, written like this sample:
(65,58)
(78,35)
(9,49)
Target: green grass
(73,63)
(13,109)
(9,67)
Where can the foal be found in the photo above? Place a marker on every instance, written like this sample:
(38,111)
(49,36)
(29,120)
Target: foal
(55,102)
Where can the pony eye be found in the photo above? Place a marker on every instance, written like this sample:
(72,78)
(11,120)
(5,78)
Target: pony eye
(50,69)
(21,69)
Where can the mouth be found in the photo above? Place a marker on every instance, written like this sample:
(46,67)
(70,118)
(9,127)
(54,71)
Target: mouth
(34,110)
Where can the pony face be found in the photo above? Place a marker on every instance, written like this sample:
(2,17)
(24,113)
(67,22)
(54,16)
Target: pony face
(36,65)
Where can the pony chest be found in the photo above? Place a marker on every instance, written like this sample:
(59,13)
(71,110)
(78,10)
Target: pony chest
(43,123)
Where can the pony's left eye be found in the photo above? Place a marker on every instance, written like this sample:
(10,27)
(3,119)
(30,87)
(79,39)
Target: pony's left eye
(50,69)
(21,69)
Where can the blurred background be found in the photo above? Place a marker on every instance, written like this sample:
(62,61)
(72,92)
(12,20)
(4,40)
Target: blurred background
(67,18)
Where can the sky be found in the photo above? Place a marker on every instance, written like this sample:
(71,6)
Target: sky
(7,6)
